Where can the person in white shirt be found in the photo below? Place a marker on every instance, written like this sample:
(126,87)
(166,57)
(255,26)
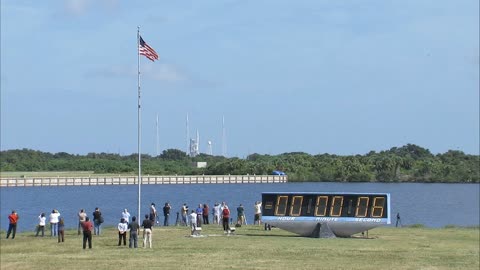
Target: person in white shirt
(81,218)
(184,211)
(193,221)
(153,213)
(54,222)
(222,206)
(216,213)
(122,232)
(126,215)
(258,213)
(42,220)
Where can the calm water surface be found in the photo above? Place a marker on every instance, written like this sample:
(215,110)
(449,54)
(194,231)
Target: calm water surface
(433,205)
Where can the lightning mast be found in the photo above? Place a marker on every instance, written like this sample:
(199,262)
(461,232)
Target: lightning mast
(197,143)
(209,148)
(224,138)
(187,137)
(157,139)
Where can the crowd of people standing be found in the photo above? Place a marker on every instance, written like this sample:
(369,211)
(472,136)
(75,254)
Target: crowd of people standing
(87,227)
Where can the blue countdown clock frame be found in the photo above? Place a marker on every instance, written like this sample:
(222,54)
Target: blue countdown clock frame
(325,214)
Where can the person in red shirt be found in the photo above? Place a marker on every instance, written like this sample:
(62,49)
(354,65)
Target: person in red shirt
(12,226)
(87,228)
(205,214)
(225,218)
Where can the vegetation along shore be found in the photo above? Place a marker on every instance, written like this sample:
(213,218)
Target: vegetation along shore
(409,163)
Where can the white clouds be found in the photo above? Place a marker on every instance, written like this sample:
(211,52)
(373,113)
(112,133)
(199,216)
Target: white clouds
(156,71)
(82,7)
(76,7)
(113,71)
(315,56)
(166,73)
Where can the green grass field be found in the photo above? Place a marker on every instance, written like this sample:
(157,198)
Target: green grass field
(251,248)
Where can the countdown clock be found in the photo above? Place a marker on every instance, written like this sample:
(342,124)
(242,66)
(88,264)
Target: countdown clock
(325,213)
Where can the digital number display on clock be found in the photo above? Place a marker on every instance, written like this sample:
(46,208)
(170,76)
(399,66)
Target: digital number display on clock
(325,205)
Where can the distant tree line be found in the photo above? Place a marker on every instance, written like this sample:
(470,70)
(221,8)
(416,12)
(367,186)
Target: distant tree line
(409,163)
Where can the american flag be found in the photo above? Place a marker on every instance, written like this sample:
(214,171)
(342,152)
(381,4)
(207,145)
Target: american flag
(146,50)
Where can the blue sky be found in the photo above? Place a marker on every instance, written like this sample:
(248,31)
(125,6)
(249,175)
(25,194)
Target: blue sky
(339,77)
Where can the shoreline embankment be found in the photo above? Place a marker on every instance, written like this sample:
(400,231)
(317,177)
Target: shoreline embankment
(146,180)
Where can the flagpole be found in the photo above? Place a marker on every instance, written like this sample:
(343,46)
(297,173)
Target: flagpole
(139,126)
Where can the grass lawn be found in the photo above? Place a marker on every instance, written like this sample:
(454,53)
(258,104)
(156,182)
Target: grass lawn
(251,248)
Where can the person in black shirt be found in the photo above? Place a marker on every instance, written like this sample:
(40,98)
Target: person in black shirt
(134,228)
(166,214)
(398,220)
(97,221)
(147,225)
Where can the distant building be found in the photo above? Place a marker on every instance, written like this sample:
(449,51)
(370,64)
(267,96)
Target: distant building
(200,164)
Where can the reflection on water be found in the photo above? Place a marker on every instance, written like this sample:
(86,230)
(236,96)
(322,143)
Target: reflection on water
(433,205)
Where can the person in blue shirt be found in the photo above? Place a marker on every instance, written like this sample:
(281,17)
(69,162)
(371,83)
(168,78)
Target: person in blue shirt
(199,215)
(241,215)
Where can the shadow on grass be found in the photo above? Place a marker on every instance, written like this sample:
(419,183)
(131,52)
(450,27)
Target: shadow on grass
(270,235)
(360,237)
